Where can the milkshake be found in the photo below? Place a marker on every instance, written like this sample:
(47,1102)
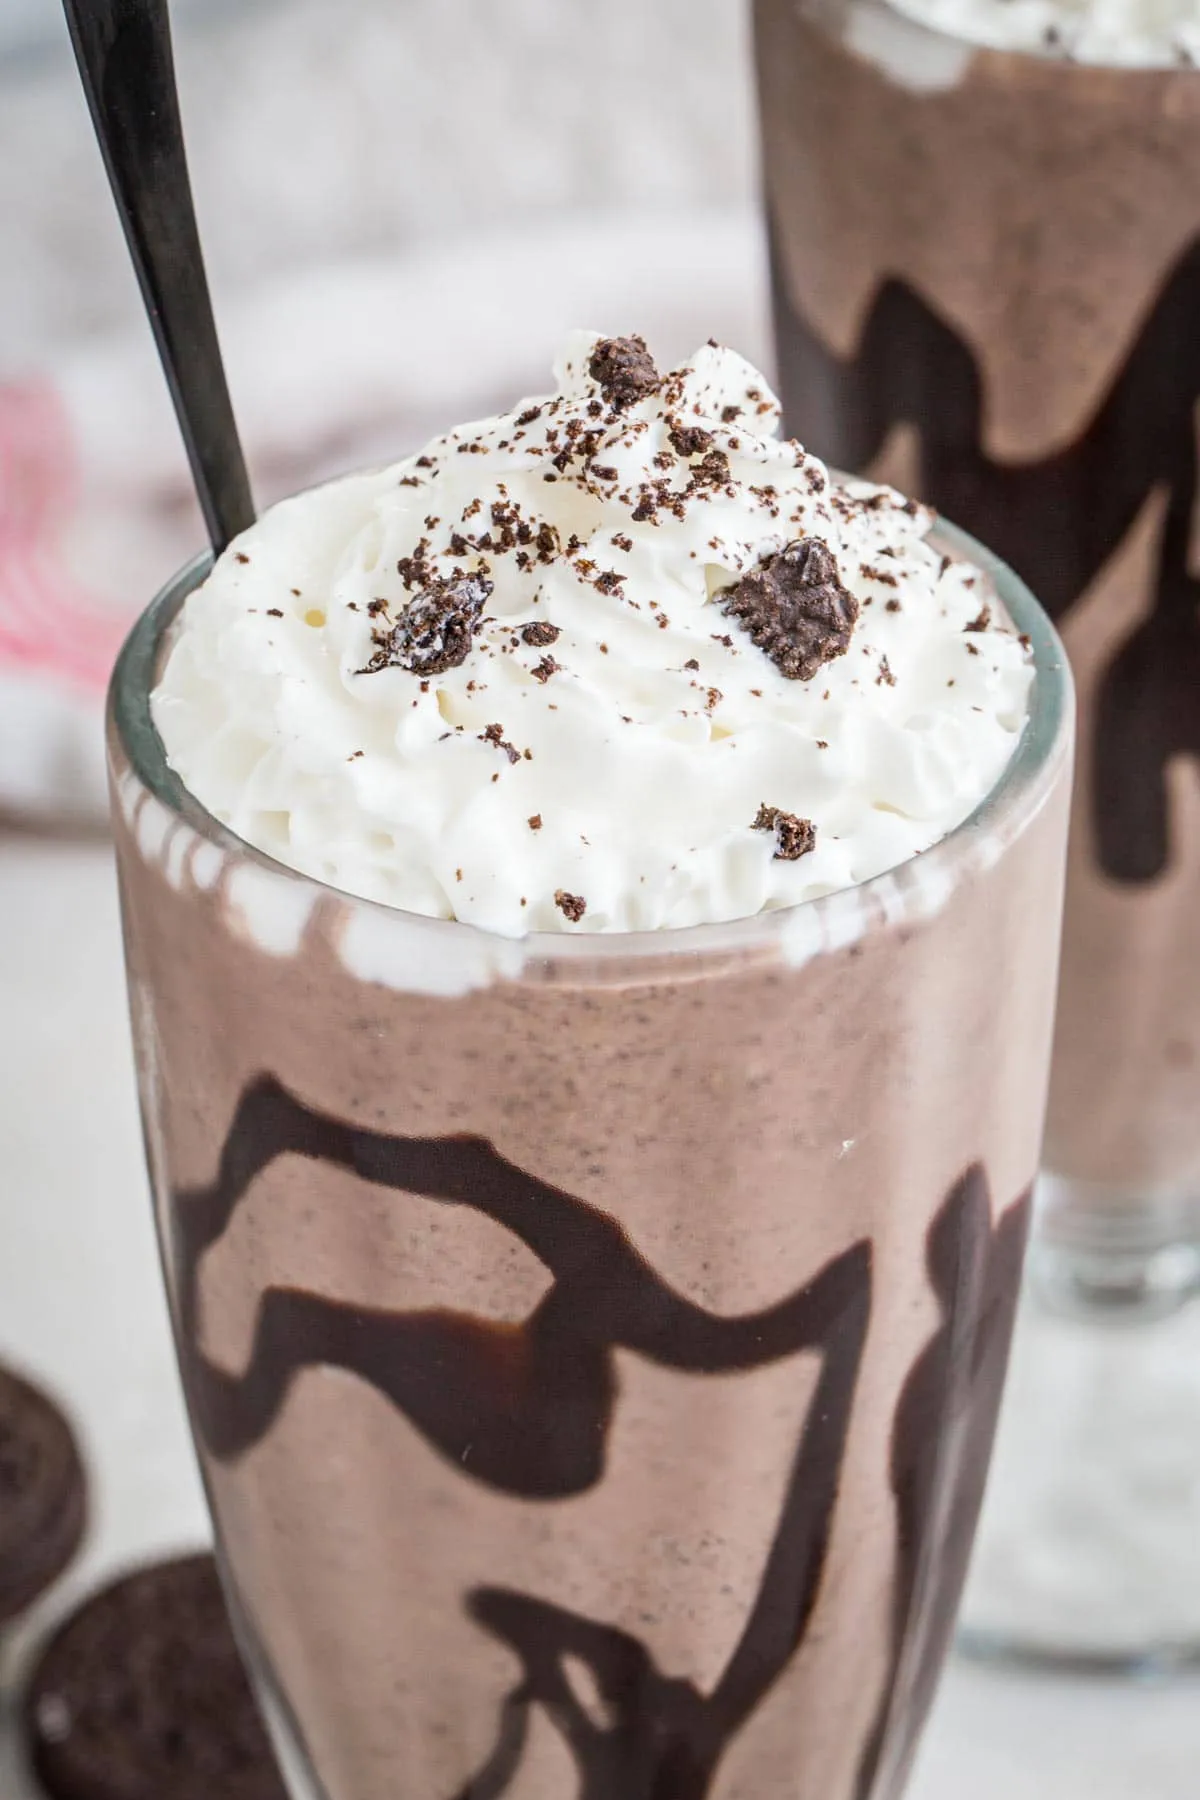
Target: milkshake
(591,897)
(987,275)
(985,228)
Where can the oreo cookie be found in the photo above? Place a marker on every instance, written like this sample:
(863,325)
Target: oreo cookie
(43,1506)
(142,1696)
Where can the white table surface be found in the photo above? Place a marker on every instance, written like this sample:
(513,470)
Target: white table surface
(80,1307)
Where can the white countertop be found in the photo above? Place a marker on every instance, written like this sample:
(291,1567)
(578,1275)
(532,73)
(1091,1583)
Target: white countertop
(80,1307)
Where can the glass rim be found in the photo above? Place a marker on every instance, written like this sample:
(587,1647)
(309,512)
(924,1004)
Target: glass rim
(1017,795)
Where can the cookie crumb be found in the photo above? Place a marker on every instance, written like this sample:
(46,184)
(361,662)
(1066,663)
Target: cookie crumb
(624,369)
(540,633)
(794,837)
(436,630)
(795,608)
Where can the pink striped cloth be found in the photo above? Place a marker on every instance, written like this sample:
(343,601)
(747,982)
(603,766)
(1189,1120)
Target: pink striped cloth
(334,366)
(51,623)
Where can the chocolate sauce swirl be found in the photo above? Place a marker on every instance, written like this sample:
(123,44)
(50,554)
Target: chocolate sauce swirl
(1057,520)
(535,1402)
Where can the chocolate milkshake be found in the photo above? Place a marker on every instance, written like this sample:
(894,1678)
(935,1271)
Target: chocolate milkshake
(593,1173)
(985,223)
(985,229)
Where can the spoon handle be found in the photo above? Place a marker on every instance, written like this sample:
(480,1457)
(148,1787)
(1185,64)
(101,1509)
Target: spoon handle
(123,48)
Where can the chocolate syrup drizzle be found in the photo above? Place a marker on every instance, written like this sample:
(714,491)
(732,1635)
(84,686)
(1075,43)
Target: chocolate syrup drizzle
(1057,520)
(941,1447)
(535,1403)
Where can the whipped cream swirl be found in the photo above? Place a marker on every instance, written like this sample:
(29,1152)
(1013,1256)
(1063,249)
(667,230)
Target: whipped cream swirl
(618,660)
(1113,33)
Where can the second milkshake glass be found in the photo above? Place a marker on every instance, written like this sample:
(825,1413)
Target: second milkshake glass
(593,1344)
(987,289)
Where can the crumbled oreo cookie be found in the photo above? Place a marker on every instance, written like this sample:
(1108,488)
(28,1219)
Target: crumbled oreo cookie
(572,906)
(794,837)
(624,369)
(494,734)
(689,440)
(795,608)
(437,628)
(540,633)
(43,1494)
(142,1696)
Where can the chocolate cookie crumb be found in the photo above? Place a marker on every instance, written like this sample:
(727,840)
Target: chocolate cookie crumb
(535,822)
(689,440)
(624,369)
(983,620)
(795,608)
(545,669)
(540,633)
(573,906)
(494,734)
(794,837)
(437,628)
(692,664)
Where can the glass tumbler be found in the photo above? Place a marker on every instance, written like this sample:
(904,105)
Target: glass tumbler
(593,1343)
(986,270)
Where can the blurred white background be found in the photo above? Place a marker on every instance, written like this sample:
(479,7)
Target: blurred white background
(404,204)
(367,128)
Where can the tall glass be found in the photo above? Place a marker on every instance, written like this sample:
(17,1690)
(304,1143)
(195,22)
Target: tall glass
(593,1344)
(986,276)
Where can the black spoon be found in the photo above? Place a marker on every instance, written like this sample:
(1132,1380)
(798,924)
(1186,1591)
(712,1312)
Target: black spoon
(123,48)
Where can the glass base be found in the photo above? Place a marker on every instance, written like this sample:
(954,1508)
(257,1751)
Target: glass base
(1088,1554)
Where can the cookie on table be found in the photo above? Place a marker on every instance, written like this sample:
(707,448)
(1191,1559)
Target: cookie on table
(141,1695)
(43,1494)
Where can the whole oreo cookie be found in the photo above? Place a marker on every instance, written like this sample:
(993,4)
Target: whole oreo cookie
(42,1494)
(142,1696)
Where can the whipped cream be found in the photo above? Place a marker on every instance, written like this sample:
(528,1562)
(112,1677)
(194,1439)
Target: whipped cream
(620,659)
(1118,33)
